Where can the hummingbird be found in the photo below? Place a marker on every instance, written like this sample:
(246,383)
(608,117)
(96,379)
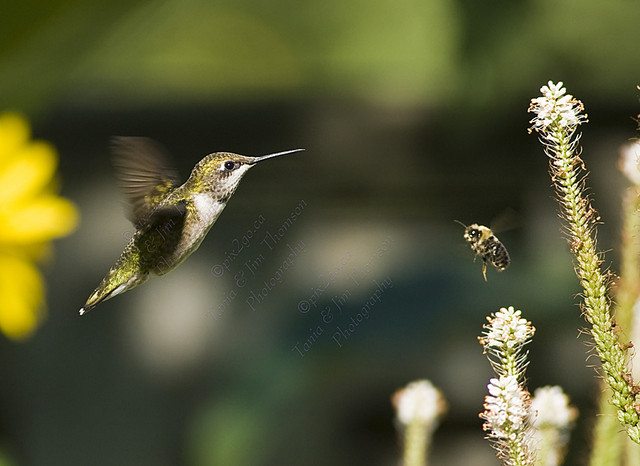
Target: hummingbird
(171,220)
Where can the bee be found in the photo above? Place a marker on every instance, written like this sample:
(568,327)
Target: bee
(486,245)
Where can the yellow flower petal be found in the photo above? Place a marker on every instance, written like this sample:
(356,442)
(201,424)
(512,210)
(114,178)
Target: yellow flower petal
(44,218)
(31,214)
(38,251)
(30,169)
(14,132)
(21,297)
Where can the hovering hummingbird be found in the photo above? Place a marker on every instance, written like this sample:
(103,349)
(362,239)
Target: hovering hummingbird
(171,220)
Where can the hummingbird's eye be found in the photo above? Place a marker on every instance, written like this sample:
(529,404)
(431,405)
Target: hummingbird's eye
(229,165)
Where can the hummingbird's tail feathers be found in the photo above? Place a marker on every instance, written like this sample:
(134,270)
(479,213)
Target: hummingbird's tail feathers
(111,287)
(98,296)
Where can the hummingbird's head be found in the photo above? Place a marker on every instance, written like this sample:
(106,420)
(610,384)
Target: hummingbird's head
(221,172)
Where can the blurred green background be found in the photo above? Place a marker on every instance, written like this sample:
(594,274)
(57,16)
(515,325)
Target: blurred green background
(412,114)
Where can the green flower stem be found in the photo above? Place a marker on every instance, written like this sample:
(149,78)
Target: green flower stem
(550,447)
(512,364)
(629,287)
(415,444)
(608,441)
(581,217)
(629,282)
(519,456)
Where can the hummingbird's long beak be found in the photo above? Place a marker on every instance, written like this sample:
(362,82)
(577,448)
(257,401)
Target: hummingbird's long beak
(277,154)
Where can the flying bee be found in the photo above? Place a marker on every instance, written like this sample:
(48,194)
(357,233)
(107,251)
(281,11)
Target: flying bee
(486,245)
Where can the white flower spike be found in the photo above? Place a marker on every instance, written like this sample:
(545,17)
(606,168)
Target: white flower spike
(418,406)
(552,418)
(556,108)
(505,408)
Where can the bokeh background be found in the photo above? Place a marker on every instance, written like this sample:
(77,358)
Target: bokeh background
(412,114)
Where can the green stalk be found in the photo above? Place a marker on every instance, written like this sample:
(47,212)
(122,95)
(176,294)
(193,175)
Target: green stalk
(415,444)
(581,217)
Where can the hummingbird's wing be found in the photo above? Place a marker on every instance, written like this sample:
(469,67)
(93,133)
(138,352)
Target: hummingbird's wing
(159,239)
(144,173)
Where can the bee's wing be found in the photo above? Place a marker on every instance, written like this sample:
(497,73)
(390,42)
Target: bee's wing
(143,172)
(507,220)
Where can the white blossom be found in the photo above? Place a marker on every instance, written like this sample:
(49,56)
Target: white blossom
(550,408)
(505,408)
(629,163)
(419,401)
(556,109)
(551,419)
(507,329)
